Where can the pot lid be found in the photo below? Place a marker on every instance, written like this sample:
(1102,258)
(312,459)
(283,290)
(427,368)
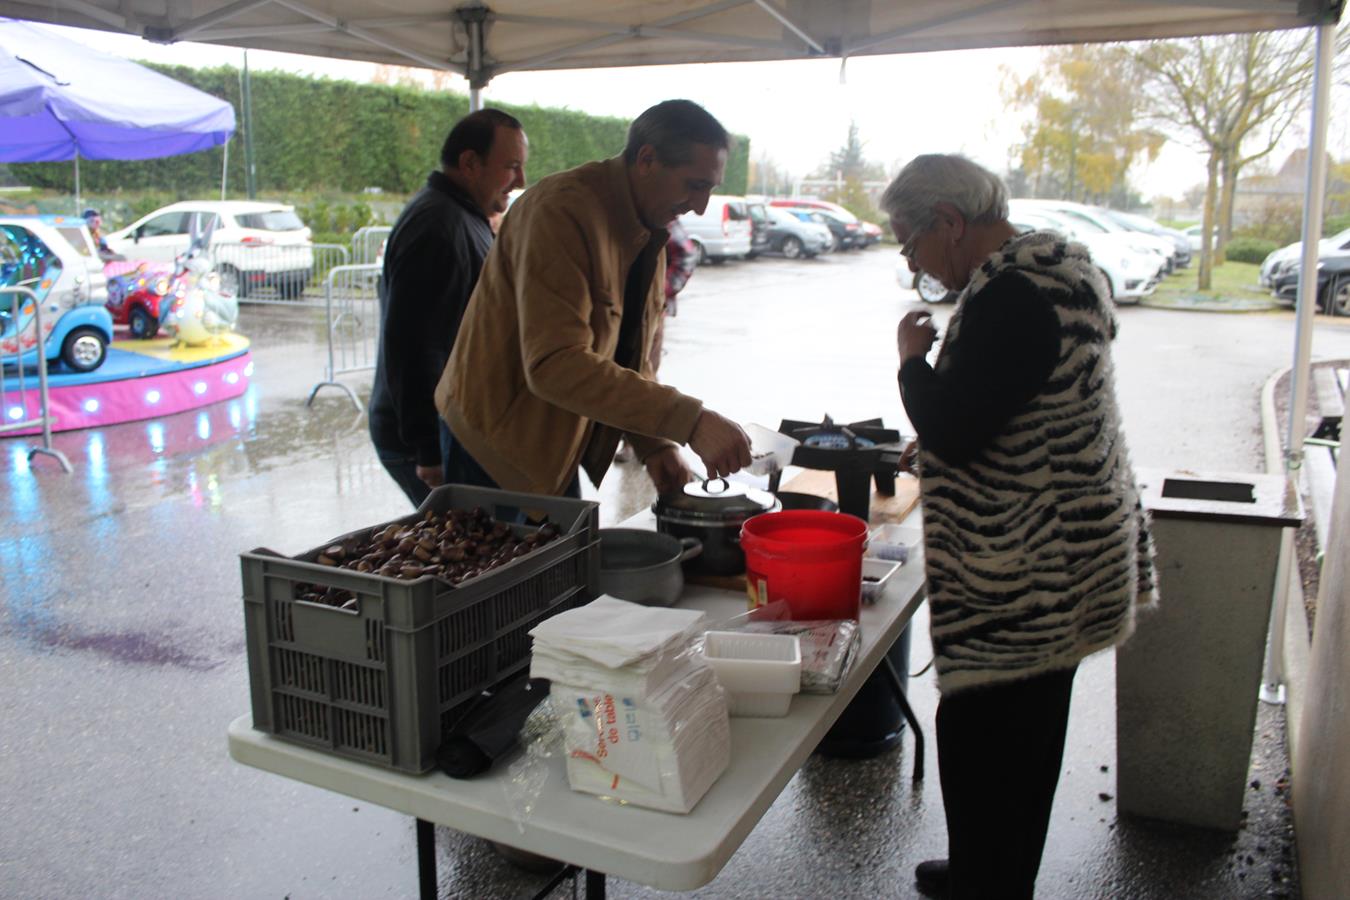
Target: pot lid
(717,498)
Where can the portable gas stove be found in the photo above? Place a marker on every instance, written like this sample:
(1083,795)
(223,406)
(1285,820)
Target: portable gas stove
(858,454)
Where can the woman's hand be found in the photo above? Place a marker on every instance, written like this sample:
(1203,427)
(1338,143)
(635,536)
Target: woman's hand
(916,335)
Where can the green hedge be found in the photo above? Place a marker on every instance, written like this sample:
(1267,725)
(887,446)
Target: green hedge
(320,134)
(1249,250)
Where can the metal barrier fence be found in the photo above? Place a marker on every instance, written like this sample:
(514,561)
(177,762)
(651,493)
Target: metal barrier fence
(277,274)
(24,408)
(366,243)
(353,325)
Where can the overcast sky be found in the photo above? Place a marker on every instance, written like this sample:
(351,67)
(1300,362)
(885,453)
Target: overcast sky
(796,112)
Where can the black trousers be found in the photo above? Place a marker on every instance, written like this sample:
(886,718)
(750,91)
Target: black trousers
(999,754)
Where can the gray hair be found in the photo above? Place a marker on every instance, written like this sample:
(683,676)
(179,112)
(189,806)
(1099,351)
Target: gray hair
(979,195)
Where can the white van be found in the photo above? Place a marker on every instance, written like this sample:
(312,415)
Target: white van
(723,230)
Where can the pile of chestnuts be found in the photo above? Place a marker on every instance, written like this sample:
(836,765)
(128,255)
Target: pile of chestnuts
(454,545)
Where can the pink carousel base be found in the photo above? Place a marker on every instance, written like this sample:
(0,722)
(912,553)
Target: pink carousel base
(138,380)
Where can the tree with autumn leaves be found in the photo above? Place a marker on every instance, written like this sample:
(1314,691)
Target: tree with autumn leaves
(1098,109)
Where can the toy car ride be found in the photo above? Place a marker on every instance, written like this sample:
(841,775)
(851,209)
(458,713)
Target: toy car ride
(68,282)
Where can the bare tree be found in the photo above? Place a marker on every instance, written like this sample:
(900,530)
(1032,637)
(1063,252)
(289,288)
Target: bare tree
(1233,97)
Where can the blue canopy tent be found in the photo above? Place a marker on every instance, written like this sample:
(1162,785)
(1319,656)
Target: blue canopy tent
(61,100)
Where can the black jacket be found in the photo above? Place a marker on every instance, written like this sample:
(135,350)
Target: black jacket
(431,264)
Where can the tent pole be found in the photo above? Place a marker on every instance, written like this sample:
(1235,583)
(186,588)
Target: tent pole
(78,208)
(1314,195)
(224,167)
(473,23)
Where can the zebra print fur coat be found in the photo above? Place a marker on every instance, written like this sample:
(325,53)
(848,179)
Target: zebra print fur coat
(1036,546)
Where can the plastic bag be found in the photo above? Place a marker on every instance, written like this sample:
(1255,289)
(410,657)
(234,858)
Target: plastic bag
(829,646)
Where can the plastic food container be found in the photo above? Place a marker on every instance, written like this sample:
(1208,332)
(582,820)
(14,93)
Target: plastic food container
(893,542)
(760,672)
(809,559)
(875,573)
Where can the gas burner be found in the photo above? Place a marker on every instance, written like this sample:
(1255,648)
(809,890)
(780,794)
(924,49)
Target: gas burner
(838,440)
(857,453)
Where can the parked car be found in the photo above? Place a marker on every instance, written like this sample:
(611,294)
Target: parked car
(845,227)
(1193,237)
(1136,222)
(1333,283)
(67,277)
(1130,273)
(794,237)
(1091,219)
(256,245)
(872,233)
(1281,262)
(929,289)
(723,230)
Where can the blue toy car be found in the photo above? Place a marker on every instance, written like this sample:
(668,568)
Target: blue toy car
(52,256)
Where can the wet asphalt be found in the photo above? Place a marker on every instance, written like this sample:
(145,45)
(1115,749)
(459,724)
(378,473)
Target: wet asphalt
(122,648)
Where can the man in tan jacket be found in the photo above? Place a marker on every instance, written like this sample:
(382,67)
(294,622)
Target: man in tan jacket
(552,362)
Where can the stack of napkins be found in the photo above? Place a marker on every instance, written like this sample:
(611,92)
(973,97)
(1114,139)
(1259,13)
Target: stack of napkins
(644,718)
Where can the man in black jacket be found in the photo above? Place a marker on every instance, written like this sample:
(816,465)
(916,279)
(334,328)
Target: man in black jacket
(431,264)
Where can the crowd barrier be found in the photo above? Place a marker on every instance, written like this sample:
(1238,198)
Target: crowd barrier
(25,404)
(277,274)
(353,312)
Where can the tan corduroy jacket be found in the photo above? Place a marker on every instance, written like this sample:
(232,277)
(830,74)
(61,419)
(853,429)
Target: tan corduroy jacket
(532,389)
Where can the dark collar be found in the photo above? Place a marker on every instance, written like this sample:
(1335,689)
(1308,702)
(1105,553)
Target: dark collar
(438,181)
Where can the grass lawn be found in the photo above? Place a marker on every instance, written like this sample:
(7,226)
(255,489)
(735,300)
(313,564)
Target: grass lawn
(1231,281)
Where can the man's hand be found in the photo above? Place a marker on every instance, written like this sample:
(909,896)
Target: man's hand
(432,476)
(916,335)
(909,458)
(668,471)
(720,443)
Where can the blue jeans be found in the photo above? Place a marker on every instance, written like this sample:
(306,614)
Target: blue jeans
(461,468)
(402,467)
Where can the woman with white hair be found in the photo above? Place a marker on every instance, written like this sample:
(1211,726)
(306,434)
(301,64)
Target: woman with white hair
(1037,549)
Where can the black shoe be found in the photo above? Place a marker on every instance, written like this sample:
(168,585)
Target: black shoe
(933,877)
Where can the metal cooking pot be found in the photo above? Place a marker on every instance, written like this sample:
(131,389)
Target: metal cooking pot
(643,566)
(796,500)
(712,511)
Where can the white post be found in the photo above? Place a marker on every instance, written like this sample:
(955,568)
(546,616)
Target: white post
(1272,687)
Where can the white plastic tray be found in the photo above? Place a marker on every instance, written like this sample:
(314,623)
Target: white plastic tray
(892,542)
(760,672)
(875,573)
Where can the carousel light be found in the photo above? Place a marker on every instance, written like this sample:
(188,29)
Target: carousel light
(231,377)
(248,369)
(91,405)
(16,413)
(152,396)
(199,388)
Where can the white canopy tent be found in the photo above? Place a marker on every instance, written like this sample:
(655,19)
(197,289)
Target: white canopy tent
(480,41)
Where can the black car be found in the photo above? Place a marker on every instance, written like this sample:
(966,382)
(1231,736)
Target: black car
(1333,284)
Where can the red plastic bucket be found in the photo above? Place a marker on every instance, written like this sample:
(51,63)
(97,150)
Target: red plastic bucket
(810,559)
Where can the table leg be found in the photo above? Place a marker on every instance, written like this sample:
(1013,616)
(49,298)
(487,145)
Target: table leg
(908,712)
(426,860)
(562,875)
(595,885)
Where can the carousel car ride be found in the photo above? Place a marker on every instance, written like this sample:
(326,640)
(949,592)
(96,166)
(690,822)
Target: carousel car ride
(139,292)
(38,253)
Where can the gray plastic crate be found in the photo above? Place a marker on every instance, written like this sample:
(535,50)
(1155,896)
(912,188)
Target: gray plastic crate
(383,682)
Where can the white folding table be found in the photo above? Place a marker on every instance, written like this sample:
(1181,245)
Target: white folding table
(662,850)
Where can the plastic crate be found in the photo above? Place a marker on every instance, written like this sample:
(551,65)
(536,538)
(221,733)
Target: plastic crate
(383,682)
